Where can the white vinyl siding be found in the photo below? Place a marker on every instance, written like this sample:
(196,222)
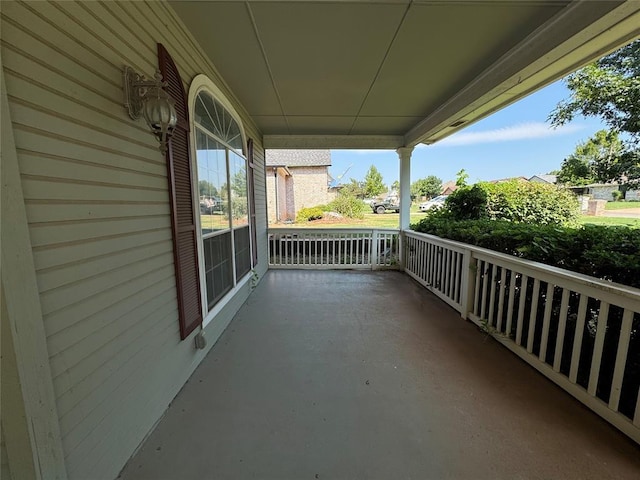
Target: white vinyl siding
(95,190)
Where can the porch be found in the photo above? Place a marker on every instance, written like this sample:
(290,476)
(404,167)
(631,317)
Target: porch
(365,374)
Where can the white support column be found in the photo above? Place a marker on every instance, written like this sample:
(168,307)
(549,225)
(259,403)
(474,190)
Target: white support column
(26,366)
(405,185)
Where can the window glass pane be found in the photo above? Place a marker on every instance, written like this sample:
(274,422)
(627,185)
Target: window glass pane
(214,117)
(239,205)
(242,251)
(218,267)
(212,184)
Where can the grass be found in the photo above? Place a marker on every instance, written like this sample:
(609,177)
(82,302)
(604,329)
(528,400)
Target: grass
(611,221)
(621,205)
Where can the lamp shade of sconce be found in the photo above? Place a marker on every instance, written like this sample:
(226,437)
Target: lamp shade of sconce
(148,98)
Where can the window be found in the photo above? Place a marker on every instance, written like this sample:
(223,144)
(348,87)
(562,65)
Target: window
(222,189)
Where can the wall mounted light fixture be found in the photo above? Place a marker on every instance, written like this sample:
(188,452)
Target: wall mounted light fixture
(148,98)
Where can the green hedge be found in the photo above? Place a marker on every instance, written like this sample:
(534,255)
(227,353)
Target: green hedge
(307,214)
(610,253)
(516,201)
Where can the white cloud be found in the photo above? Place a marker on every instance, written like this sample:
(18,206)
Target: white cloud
(522,131)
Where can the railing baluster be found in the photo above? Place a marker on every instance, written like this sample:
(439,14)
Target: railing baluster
(596,358)
(447,270)
(485,286)
(562,327)
(476,294)
(533,314)
(457,277)
(546,320)
(577,338)
(513,278)
(524,282)
(503,281)
(492,297)
(621,359)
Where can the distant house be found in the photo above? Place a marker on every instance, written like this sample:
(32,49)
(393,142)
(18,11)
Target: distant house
(448,187)
(509,179)
(552,179)
(604,191)
(296,179)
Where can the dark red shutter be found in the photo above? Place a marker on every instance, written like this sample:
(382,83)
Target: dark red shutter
(183,223)
(252,202)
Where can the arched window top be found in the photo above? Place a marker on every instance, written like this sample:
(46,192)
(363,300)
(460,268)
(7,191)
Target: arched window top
(213,112)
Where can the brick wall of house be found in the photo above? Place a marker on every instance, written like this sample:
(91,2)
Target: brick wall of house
(310,186)
(271,195)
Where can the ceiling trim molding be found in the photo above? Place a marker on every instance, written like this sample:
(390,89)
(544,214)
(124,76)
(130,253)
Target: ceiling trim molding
(565,43)
(347,142)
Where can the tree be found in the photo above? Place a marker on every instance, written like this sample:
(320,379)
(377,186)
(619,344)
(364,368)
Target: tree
(596,160)
(207,189)
(609,89)
(426,187)
(354,189)
(373,183)
(395,186)
(461,178)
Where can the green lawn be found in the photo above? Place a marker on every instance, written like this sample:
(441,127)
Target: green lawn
(621,205)
(611,221)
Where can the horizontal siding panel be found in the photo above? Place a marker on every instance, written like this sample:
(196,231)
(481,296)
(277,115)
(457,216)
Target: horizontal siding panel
(85,417)
(49,189)
(81,359)
(39,212)
(104,40)
(61,255)
(39,141)
(70,84)
(43,234)
(140,295)
(80,272)
(79,131)
(69,294)
(36,165)
(104,78)
(106,118)
(83,310)
(82,392)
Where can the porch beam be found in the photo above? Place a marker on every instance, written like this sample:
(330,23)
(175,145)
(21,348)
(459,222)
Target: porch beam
(580,33)
(347,142)
(405,185)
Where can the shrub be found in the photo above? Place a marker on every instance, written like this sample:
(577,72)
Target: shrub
(515,201)
(307,214)
(609,253)
(348,205)
(617,195)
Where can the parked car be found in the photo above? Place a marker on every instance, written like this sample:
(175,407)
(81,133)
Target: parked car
(386,204)
(436,202)
(208,205)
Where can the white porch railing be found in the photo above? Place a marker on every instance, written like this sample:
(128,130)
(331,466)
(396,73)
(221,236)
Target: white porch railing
(580,332)
(334,248)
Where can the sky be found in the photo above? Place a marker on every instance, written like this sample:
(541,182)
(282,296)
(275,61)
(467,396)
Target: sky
(516,141)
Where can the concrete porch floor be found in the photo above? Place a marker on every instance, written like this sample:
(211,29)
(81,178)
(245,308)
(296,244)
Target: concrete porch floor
(366,375)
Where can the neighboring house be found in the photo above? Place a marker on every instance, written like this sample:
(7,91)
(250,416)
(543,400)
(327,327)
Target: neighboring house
(604,191)
(448,187)
(296,179)
(552,179)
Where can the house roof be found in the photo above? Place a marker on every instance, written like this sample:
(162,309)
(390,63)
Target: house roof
(298,158)
(393,73)
(546,178)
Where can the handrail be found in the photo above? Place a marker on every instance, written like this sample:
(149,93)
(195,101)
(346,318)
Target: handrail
(575,329)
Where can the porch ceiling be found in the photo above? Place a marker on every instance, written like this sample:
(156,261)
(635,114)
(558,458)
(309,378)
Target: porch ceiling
(383,74)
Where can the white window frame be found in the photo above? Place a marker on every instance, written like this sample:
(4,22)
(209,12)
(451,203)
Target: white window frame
(202,83)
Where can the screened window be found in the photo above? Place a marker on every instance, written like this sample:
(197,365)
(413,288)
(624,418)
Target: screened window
(223,198)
